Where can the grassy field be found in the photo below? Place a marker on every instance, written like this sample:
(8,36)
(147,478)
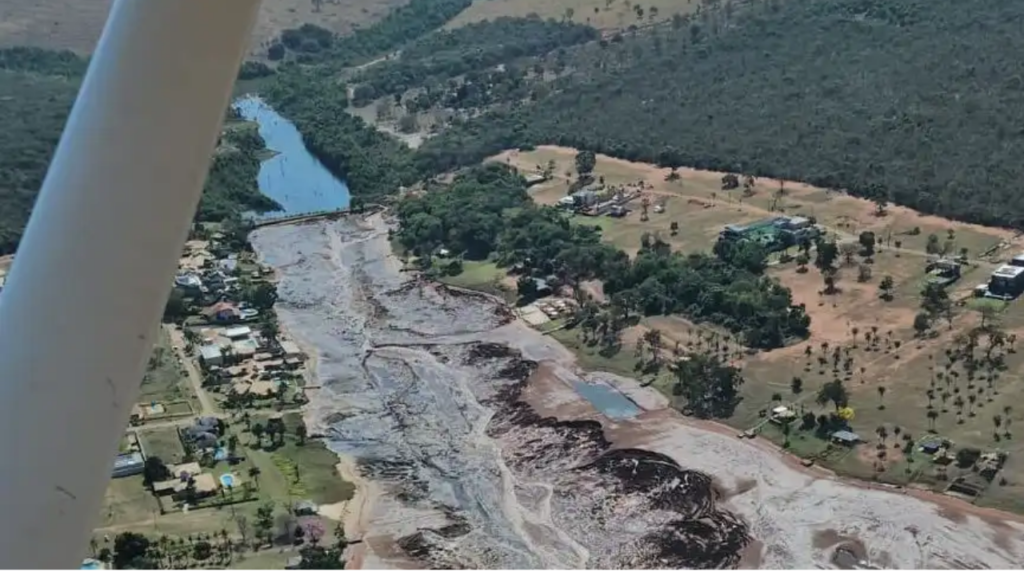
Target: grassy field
(602,14)
(164,380)
(164,443)
(484,276)
(894,359)
(76,24)
(289,473)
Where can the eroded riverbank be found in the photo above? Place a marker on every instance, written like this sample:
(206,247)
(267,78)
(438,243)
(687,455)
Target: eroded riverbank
(482,454)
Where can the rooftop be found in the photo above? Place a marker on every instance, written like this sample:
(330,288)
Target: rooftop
(1008,271)
(845,436)
(237,332)
(209,352)
(129,460)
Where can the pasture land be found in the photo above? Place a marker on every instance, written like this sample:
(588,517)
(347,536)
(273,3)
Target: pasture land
(601,14)
(76,24)
(926,386)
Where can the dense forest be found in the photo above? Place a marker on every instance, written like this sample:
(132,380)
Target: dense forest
(373,164)
(434,59)
(310,44)
(486,212)
(37,89)
(914,101)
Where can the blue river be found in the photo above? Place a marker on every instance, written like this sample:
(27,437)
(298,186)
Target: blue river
(292,177)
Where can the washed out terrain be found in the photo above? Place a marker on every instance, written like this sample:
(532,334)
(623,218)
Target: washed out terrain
(475,448)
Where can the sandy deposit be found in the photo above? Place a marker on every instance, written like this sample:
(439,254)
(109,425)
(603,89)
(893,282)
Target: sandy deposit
(474,449)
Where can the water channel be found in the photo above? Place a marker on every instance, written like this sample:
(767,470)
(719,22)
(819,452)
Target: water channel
(292,176)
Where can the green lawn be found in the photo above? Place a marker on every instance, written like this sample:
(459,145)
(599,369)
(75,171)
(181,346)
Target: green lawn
(163,443)
(164,378)
(292,472)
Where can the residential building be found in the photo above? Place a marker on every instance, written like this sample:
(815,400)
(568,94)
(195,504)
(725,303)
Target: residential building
(243,349)
(204,485)
(1006,283)
(223,312)
(291,349)
(237,333)
(210,356)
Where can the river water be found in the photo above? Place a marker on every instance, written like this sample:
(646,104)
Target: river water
(482,452)
(293,177)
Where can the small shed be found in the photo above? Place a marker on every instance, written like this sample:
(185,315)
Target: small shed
(845,438)
(930,446)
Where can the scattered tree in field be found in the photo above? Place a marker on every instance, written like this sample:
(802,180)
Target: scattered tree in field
(801,262)
(863,273)
(849,251)
(867,242)
(586,160)
(710,388)
(265,522)
(825,255)
(796,385)
(886,286)
(835,392)
(932,415)
(881,397)
(933,246)
(966,457)
(922,322)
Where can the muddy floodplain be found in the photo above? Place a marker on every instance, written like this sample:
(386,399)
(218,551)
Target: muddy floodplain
(422,387)
(475,449)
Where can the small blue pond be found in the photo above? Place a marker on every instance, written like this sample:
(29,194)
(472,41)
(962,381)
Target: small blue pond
(92,565)
(607,400)
(221,454)
(293,177)
(227,480)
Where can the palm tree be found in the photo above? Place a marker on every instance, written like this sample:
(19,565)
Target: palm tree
(254,473)
(258,430)
(881,397)
(932,415)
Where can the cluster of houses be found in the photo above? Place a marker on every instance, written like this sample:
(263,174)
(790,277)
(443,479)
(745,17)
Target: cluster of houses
(210,280)
(247,360)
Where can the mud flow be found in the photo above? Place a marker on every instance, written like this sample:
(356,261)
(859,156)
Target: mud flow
(422,386)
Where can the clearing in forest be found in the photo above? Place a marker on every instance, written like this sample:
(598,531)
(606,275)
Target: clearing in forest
(76,24)
(601,14)
(933,386)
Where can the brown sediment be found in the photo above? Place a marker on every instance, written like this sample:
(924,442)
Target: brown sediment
(582,477)
(750,558)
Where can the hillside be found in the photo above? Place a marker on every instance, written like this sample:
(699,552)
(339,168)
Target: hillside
(917,102)
(76,24)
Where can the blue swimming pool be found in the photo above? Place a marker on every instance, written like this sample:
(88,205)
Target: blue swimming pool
(607,399)
(227,480)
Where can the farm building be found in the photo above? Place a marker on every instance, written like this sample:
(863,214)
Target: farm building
(1006,283)
(845,438)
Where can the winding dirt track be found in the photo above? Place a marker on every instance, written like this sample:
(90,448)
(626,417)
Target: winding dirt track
(475,451)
